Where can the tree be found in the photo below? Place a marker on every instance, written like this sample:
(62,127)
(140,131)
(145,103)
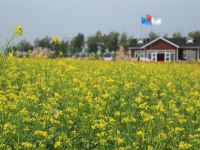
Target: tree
(124,41)
(177,35)
(24,46)
(194,34)
(64,48)
(103,44)
(43,43)
(96,43)
(130,40)
(166,35)
(153,35)
(92,43)
(77,43)
(113,41)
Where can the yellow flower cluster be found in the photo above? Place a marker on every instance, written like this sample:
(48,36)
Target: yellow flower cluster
(56,40)
(73,104)
(183,145)
(19,30)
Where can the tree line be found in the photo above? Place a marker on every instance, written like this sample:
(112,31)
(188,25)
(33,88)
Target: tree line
(98,44)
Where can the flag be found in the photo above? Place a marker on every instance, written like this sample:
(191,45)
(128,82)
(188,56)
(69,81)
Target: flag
(149,18)
(159,21)
(144,21)
(148,23)
(153,21)
(156,21)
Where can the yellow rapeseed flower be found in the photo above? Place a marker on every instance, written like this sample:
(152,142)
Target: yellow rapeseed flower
(57,145)
(119,140)
(19,30)
(140,134)
(150,148)
(56,40)
(183,145)
(161,137)
(117,113)
(41,133)
(27,145)
(10,56)
(75,104)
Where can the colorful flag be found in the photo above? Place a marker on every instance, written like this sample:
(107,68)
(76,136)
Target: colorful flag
(144,21)
(156,21)
(149,23)
(149,18)
(159,21)
(153,21)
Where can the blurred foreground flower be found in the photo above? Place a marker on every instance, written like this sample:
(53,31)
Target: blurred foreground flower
(10,56)
(19,30)
(16,33)
(56,40)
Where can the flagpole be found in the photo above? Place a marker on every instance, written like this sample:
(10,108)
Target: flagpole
(140,31)
(160,30)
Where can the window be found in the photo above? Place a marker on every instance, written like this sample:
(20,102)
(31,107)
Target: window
(149,56)
(191,55)
(161,55)
(167,56)
(172,56)
(154,56)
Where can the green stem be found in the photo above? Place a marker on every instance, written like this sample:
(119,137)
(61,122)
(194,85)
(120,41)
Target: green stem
(8,41)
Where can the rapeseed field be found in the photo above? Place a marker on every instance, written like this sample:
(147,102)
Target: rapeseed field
(74,104)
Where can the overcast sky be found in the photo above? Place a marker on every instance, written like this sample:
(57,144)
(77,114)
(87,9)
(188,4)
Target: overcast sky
(66,18)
